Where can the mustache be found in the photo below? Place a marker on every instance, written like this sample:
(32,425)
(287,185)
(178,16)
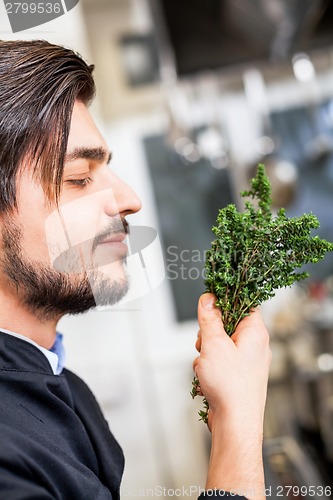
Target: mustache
(116,226)
(70,260)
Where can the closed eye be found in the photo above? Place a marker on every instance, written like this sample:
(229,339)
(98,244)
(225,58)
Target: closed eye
(80,182)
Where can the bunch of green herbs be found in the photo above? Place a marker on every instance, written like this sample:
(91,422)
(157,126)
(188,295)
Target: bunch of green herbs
(254,254)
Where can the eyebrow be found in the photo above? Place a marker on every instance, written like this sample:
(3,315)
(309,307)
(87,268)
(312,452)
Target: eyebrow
(99,154)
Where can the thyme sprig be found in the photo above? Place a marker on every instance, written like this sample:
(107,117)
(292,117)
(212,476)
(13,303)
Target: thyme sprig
(254,254)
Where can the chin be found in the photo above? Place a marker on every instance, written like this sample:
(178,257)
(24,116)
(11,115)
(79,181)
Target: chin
(109,284)
(114,272)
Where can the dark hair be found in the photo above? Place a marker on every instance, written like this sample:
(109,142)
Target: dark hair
(39,83)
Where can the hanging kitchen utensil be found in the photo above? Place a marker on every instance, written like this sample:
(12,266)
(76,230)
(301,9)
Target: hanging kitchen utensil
(282,173)
(180,135)
(320,147)
(211,137)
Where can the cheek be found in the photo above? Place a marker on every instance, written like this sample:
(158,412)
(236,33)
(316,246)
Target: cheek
(75,223)
(34,238)
(32,213)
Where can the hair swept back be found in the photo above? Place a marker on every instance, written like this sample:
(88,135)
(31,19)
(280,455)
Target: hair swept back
(39,83)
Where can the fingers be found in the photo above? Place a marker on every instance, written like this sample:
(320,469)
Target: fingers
(198,342)
(254,318)
(251,330)
(195,362)
(198,390)
(209,318)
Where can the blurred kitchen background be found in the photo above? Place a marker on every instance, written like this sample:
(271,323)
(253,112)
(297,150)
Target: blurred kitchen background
(192,94)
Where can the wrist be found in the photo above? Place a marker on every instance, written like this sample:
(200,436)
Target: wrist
(236,456)
(241,436)
(234,422)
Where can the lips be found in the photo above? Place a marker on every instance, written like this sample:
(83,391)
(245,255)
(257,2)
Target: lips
(117,238)
(114,245)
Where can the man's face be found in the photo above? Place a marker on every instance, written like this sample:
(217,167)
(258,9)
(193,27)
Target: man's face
(71,258)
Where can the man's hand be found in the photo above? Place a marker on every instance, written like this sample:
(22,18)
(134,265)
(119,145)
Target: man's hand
(233,375)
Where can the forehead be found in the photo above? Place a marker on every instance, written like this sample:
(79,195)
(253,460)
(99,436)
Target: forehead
(83,131)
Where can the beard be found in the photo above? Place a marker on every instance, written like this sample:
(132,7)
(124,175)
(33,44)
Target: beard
(50,293)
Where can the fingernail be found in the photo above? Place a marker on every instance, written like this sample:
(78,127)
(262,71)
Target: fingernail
(207,301)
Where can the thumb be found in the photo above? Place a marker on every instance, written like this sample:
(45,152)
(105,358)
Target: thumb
(209,317)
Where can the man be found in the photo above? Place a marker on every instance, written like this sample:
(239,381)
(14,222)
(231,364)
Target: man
(57,191)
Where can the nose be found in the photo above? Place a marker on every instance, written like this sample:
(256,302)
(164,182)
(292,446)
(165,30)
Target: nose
(121,199)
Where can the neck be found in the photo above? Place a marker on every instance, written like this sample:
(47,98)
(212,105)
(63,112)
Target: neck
(16,318)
